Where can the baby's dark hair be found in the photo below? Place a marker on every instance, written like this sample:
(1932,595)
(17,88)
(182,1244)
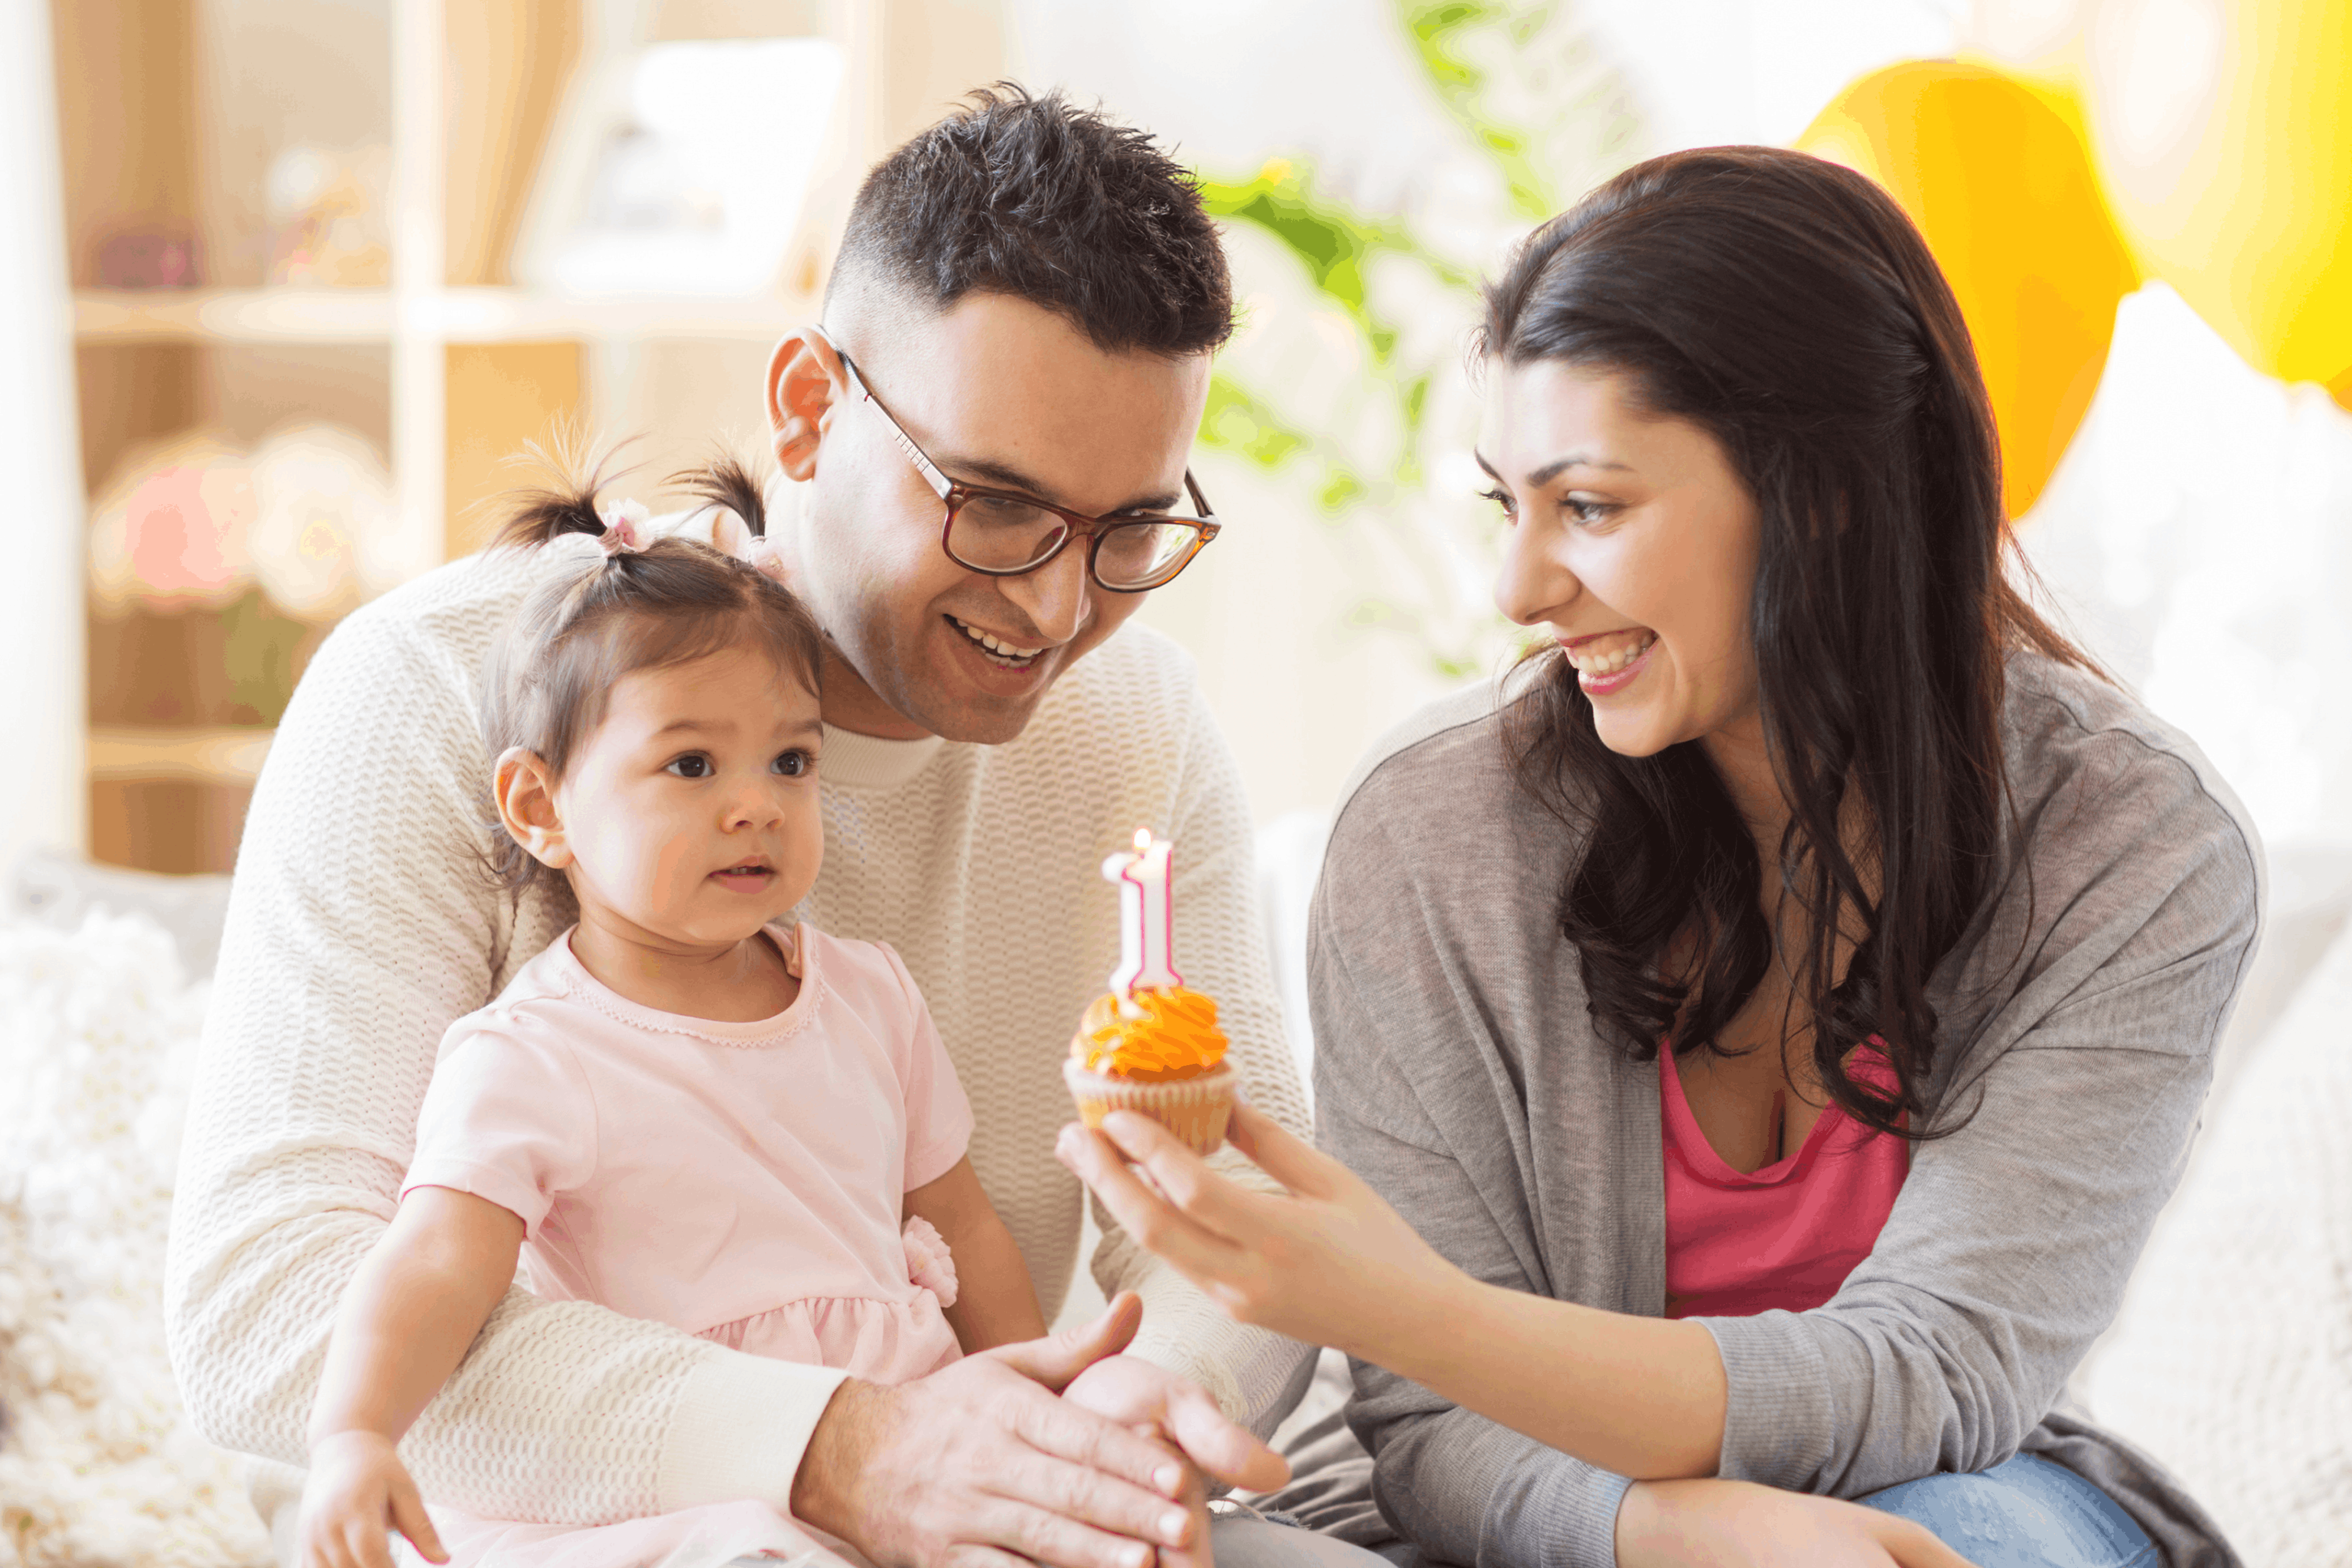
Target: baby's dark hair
(551,673)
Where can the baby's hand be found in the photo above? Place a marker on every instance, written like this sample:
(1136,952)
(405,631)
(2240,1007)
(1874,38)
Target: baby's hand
(359,1492)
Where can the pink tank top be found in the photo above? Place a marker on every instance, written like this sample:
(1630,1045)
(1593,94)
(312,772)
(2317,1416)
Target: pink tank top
(1784,1235)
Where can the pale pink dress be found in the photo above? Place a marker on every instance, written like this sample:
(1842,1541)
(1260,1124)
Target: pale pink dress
(740,1181)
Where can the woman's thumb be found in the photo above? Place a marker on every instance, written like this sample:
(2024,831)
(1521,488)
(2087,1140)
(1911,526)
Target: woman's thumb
(1054,1360)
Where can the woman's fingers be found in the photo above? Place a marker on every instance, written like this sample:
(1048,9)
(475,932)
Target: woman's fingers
(1156,1225)
(1183,1177)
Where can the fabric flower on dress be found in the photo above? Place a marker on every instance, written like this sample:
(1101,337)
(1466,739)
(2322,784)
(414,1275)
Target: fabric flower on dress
(929,1265)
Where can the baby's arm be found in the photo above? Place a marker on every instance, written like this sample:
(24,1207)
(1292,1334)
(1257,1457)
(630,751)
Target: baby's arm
(411,1312)
(995,1303)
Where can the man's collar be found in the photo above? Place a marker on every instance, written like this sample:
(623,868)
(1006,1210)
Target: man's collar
(868,762)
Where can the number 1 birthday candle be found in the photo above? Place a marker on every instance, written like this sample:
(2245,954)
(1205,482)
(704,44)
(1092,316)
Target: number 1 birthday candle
(1150,1044)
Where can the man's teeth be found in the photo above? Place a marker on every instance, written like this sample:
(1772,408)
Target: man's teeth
(1607,656)
(997,645)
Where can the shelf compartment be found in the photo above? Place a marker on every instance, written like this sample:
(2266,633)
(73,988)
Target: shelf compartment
(479,315)
(156,755)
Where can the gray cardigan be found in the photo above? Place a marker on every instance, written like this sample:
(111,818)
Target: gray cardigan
(1458,1070)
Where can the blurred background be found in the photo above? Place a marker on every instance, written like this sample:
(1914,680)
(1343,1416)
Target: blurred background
(284,283)
(301,274)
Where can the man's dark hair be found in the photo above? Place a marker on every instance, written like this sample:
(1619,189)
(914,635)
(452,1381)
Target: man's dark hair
(1039,199)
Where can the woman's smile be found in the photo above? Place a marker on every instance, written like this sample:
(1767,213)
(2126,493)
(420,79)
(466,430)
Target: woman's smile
(1610,661)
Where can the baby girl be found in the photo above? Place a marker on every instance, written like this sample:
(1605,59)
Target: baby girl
(683,1110)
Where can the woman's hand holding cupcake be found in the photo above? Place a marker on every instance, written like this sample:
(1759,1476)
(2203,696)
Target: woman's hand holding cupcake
(1325,1260)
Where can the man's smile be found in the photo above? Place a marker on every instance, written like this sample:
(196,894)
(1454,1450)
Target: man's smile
(999,652)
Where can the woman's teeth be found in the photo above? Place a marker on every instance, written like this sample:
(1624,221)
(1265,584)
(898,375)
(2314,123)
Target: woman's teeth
(1607,655)
(997,648)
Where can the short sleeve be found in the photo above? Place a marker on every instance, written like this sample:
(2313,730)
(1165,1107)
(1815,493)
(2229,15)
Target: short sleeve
(938,1117)
(508,1118)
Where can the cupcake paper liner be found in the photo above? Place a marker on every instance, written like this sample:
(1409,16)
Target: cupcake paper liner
(1194,1109)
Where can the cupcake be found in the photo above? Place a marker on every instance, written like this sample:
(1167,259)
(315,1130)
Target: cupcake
(1157,1052)
(1150,1044)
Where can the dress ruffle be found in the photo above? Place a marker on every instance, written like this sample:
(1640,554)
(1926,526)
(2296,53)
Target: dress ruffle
(881,1342)
(691,1538)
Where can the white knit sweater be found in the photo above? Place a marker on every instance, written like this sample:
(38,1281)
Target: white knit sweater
(361,924)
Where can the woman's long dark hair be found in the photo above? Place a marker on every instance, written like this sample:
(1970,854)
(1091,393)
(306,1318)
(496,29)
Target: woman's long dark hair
(1788,307)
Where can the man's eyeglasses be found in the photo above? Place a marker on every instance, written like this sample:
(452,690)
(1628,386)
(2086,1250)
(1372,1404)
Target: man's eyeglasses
(1000,535)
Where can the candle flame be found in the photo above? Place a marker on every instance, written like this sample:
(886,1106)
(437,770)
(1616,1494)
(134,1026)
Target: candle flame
(1142,839)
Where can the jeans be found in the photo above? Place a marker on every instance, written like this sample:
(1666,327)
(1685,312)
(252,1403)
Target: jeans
(2026,1514)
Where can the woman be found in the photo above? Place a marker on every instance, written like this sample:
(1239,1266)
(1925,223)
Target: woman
(1763,1038)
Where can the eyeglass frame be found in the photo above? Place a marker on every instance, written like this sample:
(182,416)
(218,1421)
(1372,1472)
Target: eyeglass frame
(954,496)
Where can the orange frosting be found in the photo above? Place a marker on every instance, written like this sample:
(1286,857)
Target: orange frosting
(1153,1035)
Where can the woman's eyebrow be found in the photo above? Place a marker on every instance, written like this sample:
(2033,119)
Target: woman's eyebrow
(1552,469)
(1558,466)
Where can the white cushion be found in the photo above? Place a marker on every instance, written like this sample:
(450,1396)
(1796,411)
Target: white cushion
(2232,1361)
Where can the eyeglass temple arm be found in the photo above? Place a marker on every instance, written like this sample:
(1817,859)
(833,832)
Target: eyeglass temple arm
(940,482)
(1200,501)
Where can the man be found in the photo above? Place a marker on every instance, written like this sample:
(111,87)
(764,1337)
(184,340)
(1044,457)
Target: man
(1014,357)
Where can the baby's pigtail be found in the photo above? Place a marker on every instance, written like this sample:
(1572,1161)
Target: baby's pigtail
(567,503)
(725,482)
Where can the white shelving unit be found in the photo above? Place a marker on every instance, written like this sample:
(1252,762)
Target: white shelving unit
(434,360)
(475,315)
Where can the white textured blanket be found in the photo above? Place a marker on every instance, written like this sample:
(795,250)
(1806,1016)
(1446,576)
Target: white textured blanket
(98,1466)
(2232,1361)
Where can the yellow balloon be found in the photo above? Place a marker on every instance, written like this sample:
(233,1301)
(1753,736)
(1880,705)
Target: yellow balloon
(2223,129)
(2003,189)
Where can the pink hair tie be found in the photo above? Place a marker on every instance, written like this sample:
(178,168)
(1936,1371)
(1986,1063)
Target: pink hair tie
(624,528)
(761,556)
(757,551)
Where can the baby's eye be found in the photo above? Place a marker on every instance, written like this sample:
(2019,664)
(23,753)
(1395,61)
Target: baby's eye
(794,764)
(693,765)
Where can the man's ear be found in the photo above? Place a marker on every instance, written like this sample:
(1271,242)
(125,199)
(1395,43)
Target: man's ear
(525,791)
(805,384)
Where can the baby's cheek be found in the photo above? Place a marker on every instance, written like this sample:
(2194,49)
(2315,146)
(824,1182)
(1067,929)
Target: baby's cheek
(663,872)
